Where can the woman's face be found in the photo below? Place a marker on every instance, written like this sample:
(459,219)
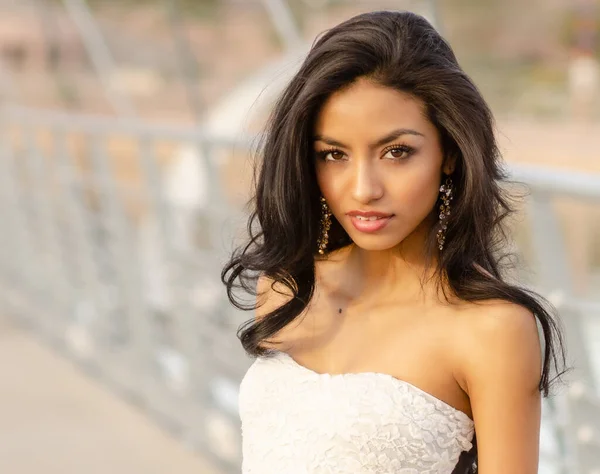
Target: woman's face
(376,151)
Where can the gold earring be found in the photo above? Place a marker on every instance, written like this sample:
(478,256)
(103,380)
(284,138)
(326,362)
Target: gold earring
(446,196)
(325,224)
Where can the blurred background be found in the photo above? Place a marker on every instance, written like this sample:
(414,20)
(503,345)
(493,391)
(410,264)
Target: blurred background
(125,163)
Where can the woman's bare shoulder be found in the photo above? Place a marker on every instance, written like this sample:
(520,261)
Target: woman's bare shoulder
(494,329)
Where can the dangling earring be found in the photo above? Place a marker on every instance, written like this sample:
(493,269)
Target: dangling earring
(446,196)
(325,224)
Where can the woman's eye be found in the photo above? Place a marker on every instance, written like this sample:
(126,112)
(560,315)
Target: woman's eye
(330,155)
(399,152)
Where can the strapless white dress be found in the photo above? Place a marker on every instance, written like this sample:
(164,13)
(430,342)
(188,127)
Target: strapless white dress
(298,421)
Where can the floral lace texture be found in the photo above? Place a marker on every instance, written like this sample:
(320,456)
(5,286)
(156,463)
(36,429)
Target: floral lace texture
(297,421)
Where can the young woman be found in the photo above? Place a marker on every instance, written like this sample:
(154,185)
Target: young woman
(386,335)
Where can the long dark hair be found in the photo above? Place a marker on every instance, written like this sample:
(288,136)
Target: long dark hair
(400,50)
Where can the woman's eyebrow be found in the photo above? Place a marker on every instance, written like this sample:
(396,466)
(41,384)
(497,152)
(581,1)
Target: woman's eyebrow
(388,138)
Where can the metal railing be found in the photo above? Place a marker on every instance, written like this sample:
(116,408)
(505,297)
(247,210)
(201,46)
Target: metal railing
(113,235)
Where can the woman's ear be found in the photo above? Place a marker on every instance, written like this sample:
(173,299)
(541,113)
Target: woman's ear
(449,164)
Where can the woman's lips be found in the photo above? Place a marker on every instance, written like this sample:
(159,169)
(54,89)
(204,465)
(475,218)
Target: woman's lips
(364,225)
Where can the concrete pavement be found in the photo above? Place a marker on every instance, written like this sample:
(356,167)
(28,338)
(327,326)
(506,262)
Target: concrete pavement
(56,420)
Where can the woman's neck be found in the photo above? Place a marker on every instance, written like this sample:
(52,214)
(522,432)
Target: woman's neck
(380,275)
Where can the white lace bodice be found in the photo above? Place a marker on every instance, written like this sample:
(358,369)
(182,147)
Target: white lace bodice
(298,421)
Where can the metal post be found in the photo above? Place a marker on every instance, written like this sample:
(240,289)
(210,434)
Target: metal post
(50,27)
(81,336)
(187,65)
(283,21)
(186,340)
(434,10)
(99,54)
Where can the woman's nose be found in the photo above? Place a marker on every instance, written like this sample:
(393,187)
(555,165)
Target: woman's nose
(366,184)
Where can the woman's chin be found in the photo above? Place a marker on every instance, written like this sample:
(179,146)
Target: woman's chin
(375,243)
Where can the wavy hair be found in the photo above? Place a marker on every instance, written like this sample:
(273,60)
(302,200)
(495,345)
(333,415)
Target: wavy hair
(403,51)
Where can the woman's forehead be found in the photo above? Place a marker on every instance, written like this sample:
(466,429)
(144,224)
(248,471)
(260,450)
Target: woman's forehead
(371,110)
